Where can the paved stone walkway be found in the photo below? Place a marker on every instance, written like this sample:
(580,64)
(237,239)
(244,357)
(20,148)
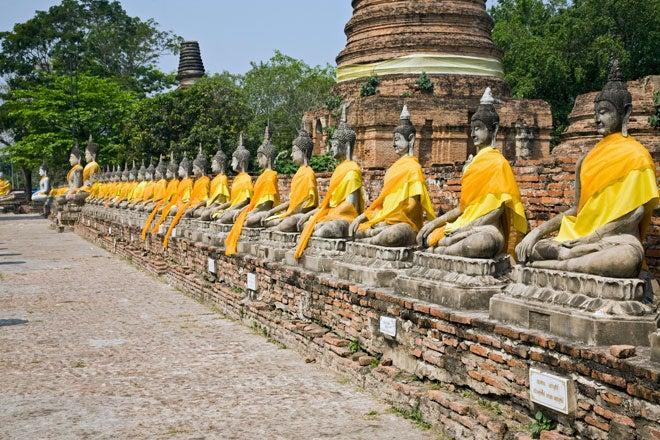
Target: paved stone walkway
(92,348)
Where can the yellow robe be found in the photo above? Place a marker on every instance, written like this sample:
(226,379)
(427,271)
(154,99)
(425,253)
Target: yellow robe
(200,192)
(345,180)
(170,191)
(403,181)
(89,171)
(617,177)
(487,183)
(219,190)
(304,193)
(265,190)
(148,192)
(241,189)
(183,192)
(5,187)
(138,192)
(69,177)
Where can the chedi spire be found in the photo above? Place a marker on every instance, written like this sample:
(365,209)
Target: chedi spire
(191,67)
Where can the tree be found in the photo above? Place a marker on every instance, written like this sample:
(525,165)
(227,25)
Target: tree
(555,50)
(280,91)
(213,107)
(48,117)
(96,37)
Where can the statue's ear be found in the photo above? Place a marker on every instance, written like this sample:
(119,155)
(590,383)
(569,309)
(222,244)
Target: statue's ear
(411,142)
(493,139)
(349,151)
(626,120)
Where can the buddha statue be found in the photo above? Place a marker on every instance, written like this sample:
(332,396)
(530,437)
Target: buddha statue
(241,187)
(303,195)
(344,200)
(615,195)
(183,191)
(490,214)
(159,187)
(5,185)
(137,192)
(91,170)
(265,196)
(219,187)
(131,185)
(397,215)
(73,177)
(193,198)
(170,193)
(41,195)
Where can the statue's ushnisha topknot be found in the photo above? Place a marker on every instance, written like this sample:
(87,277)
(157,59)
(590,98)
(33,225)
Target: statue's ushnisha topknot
(486,112)
(615,90)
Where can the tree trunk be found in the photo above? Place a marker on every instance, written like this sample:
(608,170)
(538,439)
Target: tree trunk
(27,176)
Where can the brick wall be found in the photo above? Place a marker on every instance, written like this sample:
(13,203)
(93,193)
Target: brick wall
(465,373)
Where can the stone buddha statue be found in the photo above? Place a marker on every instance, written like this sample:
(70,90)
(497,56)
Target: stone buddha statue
(41,195)
(303,194)
(344,200)
(192,197)
(218,188)
(159,186)
(241,187)
(183,191)
(168,195)
(5,185)
(137,192)
(397,215)
(122,187)
(92,168)
(147,190)
(74,178)
(615,195)
(491,211)
(263,199)
(131,186)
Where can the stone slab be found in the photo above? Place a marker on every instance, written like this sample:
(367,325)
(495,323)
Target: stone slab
(378,266)
(654,339)
(273,245)
(320,255)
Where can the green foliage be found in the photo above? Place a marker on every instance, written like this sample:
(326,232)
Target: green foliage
(354,346)
(414,415)
(424,83)
(47,117)
(94,37)
(555,50)
(213,107)
(323,163)
(654,120)
(541,423)
(370,86)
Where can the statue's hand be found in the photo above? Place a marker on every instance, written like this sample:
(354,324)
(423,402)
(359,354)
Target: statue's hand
(525,247)
(302,221)
(424,233)
(352,230)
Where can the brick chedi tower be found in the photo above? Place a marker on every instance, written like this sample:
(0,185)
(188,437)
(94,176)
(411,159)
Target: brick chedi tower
(450,41)
(191,67)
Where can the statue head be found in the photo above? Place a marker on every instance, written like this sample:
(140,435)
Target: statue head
(485,122)
(200,163)
(74,157)
(132,173)
(184,167)
(90,150)
(302,147)
(219,161)
(613,105)
(523,139)
(172,167)
(149,172)
(141,172)
(125,175)
(404,134)
(343,139)
(266,151)
(43,169)
(241,157)
(161,169)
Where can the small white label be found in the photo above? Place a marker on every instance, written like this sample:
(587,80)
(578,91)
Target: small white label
(549,390)
(388,326)
(110,230)
(132,237)
(252,281)
(174,232)
(211,265)
(161,229)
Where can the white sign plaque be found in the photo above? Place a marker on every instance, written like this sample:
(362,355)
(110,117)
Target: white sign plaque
(174,232)
(110,230)
(132,237)
(551,391)
(211,265)
(252,281)
(388,326)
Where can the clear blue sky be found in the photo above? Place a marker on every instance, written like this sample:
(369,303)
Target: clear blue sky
(231,33)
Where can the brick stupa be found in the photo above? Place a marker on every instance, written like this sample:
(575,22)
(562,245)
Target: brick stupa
(191,67)
(450,40)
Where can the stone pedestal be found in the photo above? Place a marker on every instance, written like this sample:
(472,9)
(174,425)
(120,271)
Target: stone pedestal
(456,282)
(248,243)
(377,266)
(66,216)
(195,229)
(320,255)
(215,234)
(585,308)
(654,339)
(273,245)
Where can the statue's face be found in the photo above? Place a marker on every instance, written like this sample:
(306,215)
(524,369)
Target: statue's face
(608,119)
(235,164)
(401,144)
(148,175)
(73,159)
(262,160)
(215,166)
(480,134)
(88,156)
(140,176)
(182,172)
(158,175)
(169,175)
(42,172)
(197,171)
(297,155)
(337,149)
